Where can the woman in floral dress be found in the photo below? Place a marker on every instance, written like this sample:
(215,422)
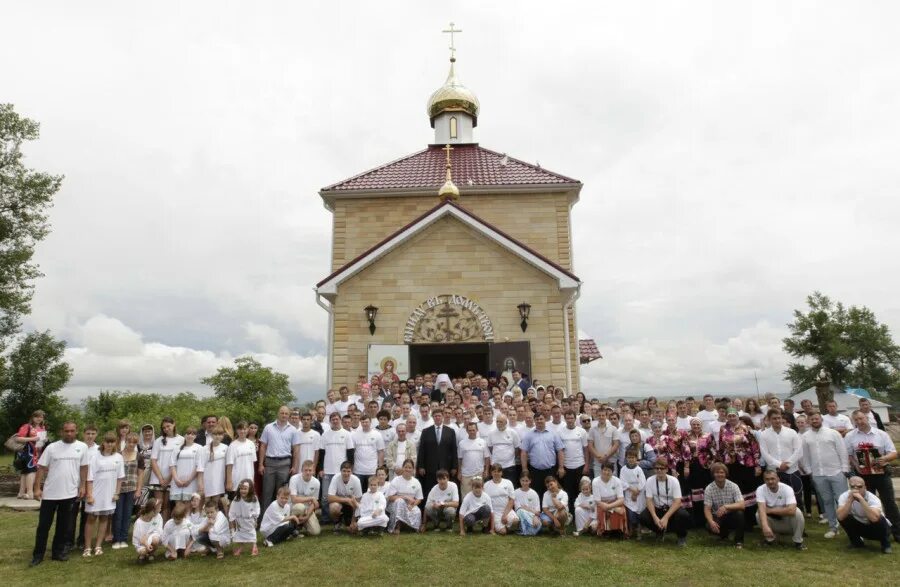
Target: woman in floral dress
(739,449)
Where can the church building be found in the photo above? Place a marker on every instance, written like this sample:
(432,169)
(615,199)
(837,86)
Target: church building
(454,258)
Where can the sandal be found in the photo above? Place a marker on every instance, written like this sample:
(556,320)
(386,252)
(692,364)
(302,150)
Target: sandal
(86,553)
(255,551)
(98,551)
(220,555)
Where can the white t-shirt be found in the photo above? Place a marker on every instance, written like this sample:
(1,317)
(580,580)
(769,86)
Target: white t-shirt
(783,497)
(683,423)
(241,456)
(633,479)
(856,510)
(301,488)
(406,488)
(485,429)
(527,499)
(503,447)
(214,469)
(187,461)
(336,443)
(500,494)
(472,503)
(708,416)
(608,492)
(574,441)
(365,455)
(63,462)
(438,495)
(275,516)
(388,435)
(310,442)
(471,456)
(604,438)
(352,488)
(838,422)
(547,501)
(164,455)
(143,529)
(103,472)
(662,492)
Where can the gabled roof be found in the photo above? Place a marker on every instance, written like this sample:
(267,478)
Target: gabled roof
(473,167)
(565,278)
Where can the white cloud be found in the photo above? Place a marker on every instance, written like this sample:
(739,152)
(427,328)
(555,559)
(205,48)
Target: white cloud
(733,161)
(115,357)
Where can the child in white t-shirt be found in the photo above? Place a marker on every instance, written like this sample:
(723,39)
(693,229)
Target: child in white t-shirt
(148,529)
(187,468)
(585,508)
(215,532)
(212,459)
(277,523)
(528,507)
(177,535)
(633,480)
(243,515)
(372,508)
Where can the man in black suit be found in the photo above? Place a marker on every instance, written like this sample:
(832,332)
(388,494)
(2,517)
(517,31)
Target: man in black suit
(437,450)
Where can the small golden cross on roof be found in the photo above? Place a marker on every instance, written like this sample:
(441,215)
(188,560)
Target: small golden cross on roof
(447,149)
(452,30)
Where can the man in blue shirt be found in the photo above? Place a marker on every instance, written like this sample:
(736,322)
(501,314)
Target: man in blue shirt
(541,451)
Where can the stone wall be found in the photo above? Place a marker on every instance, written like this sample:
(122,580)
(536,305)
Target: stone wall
(450,257)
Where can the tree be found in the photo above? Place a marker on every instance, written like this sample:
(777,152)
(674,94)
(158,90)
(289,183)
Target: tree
(258,391)
(25,197)
(34,377)
(108,407)
(849,343)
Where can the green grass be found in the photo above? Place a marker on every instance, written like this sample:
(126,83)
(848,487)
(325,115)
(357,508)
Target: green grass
(442,558)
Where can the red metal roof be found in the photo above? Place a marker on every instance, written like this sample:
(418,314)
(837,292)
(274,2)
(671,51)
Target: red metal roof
(473,166)
(588,351)
(412,223)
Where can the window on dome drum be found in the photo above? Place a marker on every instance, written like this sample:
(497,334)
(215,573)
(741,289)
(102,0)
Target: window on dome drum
(453,127)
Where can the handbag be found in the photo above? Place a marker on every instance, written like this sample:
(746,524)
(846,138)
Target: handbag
(12,443)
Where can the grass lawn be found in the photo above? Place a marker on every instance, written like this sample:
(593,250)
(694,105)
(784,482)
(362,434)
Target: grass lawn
(485,559)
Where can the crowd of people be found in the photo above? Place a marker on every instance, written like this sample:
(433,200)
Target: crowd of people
(470,454)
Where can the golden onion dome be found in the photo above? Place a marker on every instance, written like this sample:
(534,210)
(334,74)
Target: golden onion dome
(453,97)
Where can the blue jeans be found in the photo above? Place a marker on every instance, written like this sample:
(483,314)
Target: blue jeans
(323,500)
(122,517)
(828,490)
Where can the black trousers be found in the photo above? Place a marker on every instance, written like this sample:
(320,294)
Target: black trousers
(731,522)
(75,524)
(61,509)
(511,473)
(884,488)
(364,482)
(678,523)
(857,531)
(570,484)
(281,533)
(538,477)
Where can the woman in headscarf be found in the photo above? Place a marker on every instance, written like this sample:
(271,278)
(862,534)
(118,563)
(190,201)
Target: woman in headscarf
(739,449)
(700,455)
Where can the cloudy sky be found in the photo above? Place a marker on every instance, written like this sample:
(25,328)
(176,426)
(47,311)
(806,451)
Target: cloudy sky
(736,156)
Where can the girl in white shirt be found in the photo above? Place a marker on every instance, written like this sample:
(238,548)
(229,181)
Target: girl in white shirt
(196,518)
(555,506)
(476,507)
(177,535)
(501,492)
(585,508)
(187,469)
(213,462)
(609,496)
(147,530)
(105,474)
(240,459)
(162,455)
(528,507)
(404,494)
(633,482)
(243,515)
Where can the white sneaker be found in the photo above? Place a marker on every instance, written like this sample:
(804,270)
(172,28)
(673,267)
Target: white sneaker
(830,534)
(269,543)
(822,520)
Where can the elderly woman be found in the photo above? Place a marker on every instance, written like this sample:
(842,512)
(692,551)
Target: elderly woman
(34,436)
(701,453)
(739,449)
(404,493)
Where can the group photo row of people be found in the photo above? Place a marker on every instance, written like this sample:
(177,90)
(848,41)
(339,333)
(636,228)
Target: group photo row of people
(468,454)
